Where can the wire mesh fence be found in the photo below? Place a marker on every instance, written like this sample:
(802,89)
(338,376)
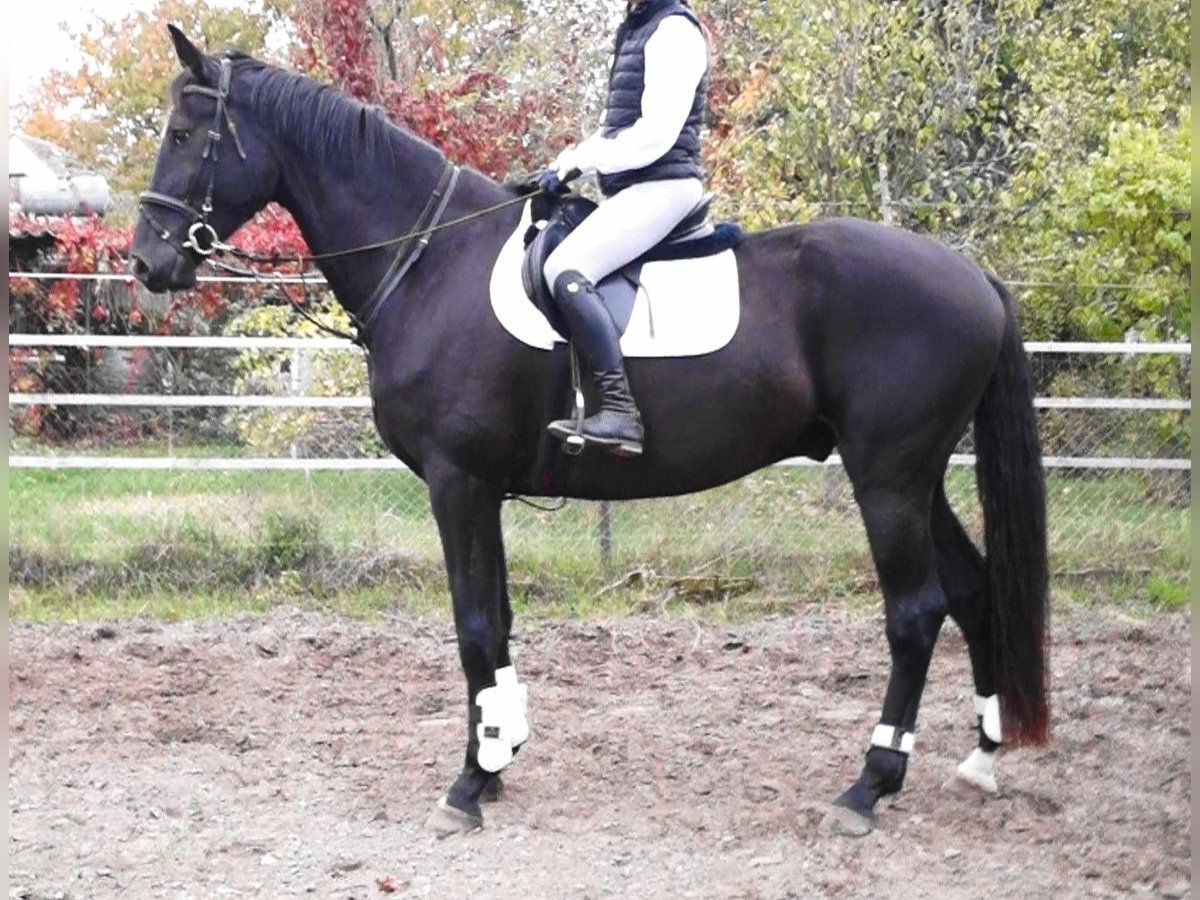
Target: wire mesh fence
(165,463)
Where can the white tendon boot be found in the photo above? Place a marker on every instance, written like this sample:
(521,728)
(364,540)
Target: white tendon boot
(503,724)
(495,749)
(517,702)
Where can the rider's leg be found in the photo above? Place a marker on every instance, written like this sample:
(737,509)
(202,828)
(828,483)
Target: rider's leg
(617,424)
(624,227)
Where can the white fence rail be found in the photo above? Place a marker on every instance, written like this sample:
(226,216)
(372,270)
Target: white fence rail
(268,402)
(1140,348)
(246,464)
(235,401)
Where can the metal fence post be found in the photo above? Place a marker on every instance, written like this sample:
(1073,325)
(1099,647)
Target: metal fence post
(605,529)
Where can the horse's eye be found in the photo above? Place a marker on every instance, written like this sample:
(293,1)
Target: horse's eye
(179,136)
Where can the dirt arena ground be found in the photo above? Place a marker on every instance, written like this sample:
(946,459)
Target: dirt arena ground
(300,755)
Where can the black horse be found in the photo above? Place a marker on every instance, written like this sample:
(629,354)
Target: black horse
(852,335)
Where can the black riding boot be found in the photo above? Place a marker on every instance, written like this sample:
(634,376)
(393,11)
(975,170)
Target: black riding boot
(617,424)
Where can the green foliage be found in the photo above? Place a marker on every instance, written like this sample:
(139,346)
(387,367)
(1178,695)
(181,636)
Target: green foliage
(289,540)
(1119,231)
(1114,263)
(1089,65)
(1051,141)
(323,373)
(1104,195)
(1167,593)
(844,103)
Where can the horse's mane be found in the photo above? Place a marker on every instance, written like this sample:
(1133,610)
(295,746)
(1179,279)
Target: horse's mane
(330,126)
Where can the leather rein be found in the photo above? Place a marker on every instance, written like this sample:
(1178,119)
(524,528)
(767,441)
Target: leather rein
(202,238)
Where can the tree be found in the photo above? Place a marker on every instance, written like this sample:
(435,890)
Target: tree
(1086,65)
(1041,137)
(109,109)
(1118,240)
(457,74)
(1104,195)
(870,108)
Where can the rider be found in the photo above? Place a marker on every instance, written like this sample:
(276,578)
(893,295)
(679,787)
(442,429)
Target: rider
(647,156)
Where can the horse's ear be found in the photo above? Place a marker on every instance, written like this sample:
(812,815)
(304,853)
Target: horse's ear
(192,59)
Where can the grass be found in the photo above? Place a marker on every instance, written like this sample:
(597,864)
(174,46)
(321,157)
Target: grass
(1168,594)
(109,544)
(54,604)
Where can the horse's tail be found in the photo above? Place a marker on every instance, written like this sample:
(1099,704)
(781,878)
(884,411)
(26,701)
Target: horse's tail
(1012,491)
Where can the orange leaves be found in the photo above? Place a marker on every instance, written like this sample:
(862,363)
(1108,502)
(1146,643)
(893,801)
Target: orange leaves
(477,119)
(62,300)
(86,246)
(272,233)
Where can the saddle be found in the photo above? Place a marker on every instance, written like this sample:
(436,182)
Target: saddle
(556,217)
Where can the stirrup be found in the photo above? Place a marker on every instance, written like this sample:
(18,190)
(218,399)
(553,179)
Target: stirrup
(574,442)
(574,438)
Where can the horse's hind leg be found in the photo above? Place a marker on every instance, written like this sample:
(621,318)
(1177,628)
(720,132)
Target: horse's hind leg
(961,569)
(898,529)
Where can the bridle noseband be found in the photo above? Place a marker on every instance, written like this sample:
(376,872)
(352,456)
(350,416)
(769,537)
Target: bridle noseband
(201,236)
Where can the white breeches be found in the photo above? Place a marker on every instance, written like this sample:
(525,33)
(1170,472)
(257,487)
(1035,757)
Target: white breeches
(624,227)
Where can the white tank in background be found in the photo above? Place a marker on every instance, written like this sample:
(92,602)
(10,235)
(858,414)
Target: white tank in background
(43,181)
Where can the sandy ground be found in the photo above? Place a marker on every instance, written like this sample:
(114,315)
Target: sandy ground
(300,755)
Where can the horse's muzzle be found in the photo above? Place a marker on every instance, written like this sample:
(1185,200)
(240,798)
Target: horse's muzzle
(175,272)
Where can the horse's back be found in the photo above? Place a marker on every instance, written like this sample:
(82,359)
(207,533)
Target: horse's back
(849,256)
(896,328)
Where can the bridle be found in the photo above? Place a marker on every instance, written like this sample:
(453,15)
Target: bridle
(201,236)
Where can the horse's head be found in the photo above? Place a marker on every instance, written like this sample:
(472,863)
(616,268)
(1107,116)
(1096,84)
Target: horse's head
(214,171)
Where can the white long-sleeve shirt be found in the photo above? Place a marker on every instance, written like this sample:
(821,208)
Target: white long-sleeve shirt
(676,60)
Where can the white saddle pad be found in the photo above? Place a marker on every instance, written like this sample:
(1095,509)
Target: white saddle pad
(684,307)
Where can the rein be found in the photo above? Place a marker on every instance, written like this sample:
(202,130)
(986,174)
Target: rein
(302,258)
(435,207)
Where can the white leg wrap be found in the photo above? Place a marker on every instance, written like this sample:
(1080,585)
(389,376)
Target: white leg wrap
(979,769)
(988,709)
(892,738)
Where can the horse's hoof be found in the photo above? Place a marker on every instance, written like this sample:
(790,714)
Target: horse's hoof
(493,790)
(971,784)
(447,820)
(840,821)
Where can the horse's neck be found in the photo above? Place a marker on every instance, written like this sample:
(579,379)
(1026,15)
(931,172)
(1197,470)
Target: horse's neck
(350,205)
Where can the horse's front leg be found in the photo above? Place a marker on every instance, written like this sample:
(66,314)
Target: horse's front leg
(467,510)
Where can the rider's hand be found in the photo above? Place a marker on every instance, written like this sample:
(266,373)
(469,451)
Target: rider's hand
(548,182)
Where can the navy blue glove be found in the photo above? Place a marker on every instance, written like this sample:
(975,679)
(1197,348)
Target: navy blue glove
(548,182)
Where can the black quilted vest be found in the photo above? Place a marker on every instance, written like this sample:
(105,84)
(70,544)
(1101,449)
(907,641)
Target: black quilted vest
(627,81)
